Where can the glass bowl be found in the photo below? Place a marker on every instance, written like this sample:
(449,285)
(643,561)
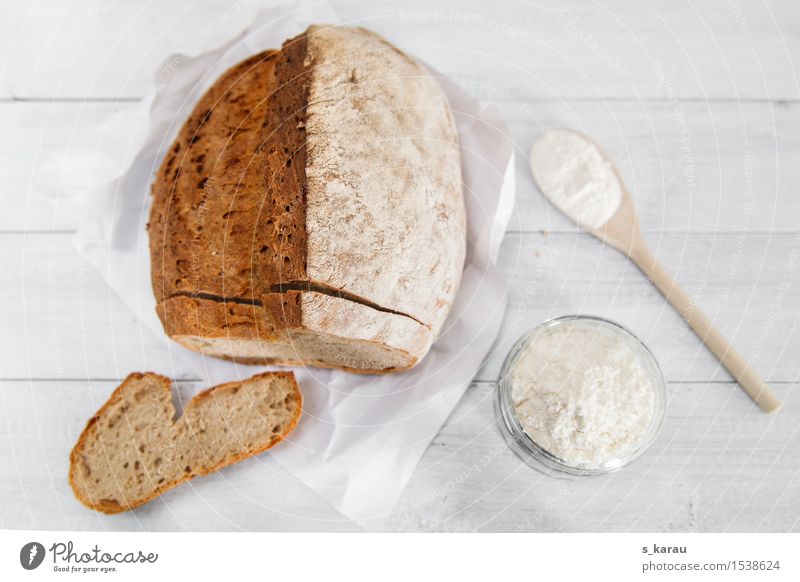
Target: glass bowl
(539,458)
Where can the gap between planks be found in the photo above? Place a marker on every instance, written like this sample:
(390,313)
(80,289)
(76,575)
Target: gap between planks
(511,232)
(522,99)
(472,382)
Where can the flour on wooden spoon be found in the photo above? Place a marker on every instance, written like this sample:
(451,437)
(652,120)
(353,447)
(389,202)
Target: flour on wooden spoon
(576,177)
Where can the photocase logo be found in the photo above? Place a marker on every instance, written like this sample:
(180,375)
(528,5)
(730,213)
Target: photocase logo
(31,555)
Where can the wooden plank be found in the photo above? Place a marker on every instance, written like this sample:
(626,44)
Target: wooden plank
(699,105)
(740,174)
(718,465)
(61,321)
(707,167)
(746,283)
(589,50)
(34,133)
(106,49)
(42,421)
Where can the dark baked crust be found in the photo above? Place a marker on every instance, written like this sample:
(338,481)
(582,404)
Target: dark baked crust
(279,238)
(264,319)
(228,214)
(209,179)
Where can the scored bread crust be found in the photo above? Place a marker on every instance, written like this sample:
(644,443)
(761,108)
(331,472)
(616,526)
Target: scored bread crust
(208,193)
(330,165)
(191,321)
(163,384)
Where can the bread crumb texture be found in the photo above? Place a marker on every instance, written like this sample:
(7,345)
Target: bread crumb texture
(134,448)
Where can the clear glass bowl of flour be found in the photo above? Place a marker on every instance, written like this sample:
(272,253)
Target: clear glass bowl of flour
(580,395)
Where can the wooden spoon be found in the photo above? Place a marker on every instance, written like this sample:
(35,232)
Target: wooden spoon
(622,232)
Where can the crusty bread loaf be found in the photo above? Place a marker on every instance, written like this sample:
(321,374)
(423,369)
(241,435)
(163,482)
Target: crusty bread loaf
(133,449)
(310,210)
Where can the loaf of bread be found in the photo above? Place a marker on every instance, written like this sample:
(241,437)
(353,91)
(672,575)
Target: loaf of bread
(133,449)
(310,210)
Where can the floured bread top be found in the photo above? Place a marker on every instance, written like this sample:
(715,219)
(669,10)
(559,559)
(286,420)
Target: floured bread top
(385,214)
(331,165)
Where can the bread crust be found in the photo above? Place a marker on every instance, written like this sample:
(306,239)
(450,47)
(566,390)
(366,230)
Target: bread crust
(165,384)
(333,163)
(272,321)
(208,194)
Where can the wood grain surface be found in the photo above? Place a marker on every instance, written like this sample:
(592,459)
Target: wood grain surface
(698,103)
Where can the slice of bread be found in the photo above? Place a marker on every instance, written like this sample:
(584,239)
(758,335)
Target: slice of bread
(134,448)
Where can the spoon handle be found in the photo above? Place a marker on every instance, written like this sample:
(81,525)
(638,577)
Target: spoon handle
(705,330)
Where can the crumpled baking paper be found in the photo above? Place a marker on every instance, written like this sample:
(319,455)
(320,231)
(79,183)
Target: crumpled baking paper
(360,436)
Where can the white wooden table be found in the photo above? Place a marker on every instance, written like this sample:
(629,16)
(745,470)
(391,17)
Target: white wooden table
(698,102)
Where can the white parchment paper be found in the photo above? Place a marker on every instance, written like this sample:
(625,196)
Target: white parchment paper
(360,436)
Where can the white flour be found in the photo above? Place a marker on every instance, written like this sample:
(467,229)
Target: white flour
(582,394)
(576,177)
